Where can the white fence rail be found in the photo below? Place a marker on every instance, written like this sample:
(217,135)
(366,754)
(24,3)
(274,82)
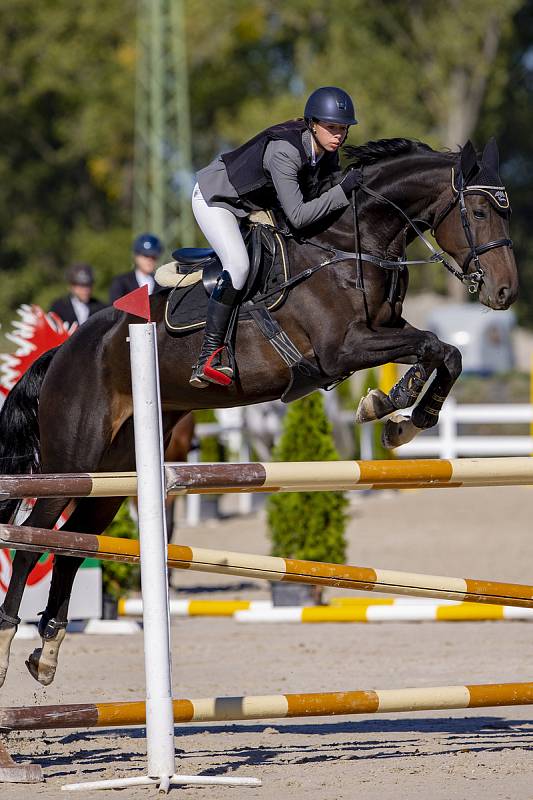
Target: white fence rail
(239,431)
(450,443)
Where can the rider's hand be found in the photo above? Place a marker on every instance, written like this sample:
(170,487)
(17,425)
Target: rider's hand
(350,182)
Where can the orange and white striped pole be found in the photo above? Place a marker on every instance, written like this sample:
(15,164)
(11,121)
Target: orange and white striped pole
(280,706)
(249,565)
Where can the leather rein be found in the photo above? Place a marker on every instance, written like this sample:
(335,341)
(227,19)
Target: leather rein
(473,280)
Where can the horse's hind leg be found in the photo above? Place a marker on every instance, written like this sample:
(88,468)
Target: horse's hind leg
(90,515)
(44,514)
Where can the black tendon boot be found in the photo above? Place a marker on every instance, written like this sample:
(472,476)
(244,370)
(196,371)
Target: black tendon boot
(209,367)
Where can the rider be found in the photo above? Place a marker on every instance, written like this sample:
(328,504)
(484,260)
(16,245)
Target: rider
(294,165)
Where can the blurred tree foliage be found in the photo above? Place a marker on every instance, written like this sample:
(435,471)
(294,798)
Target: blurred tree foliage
(66,112)
(437,72)
(512,121)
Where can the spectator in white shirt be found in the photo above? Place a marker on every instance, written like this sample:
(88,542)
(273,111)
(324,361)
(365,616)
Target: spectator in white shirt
(79,304)
(146,250)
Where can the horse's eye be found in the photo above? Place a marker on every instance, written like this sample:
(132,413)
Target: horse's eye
(479,214)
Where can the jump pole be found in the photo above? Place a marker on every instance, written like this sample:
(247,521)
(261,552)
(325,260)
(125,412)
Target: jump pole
(277,706)
(272,568)
(297,476)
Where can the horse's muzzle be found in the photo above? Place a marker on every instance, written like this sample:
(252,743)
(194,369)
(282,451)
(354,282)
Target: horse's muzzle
(498,298)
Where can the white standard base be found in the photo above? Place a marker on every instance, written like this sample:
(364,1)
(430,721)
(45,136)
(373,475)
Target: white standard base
(163,783)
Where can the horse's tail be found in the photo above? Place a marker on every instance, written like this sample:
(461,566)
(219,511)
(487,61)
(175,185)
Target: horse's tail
(20,449)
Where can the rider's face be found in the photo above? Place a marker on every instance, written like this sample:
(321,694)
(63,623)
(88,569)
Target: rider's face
(329,135)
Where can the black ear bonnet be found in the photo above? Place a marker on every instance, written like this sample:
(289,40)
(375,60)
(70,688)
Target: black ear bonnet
(482,177)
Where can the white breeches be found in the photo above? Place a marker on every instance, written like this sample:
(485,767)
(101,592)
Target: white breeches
(221,229)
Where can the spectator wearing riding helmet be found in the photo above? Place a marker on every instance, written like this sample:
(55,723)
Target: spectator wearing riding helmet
(293,166)
(79,304)
(146,250)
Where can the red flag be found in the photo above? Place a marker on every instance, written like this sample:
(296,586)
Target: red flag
(136,302)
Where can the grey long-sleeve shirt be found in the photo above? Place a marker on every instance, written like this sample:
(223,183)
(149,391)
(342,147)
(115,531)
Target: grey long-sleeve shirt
(281,161)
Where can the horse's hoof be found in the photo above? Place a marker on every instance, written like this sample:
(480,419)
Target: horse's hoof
(374,405)
(398,430)
(6,637)
(44,673)
(42,663)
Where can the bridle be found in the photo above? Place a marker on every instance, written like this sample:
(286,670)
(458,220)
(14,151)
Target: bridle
(498,197)
(473,280)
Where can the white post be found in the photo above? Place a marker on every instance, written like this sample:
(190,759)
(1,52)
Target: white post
(448,430)
(151,493)
(245,498)
(366,443)
(153,541)
(192,501)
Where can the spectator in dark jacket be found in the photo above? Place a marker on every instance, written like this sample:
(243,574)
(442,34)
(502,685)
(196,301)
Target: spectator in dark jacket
(146,250)
(79,304)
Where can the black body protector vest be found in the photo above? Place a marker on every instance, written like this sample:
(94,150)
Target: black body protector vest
(245,170)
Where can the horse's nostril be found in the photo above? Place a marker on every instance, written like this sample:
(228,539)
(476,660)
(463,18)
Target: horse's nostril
(504,294)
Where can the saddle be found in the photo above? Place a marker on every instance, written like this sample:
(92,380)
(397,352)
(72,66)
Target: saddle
(192,276)
(194,273)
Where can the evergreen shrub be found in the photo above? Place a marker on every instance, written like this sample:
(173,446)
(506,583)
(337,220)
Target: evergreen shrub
(119,578)
(307,525)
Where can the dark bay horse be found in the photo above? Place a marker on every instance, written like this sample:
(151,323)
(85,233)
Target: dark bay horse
(72,412)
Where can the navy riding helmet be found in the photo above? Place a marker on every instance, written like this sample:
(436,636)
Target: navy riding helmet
(146,244)
(330,104)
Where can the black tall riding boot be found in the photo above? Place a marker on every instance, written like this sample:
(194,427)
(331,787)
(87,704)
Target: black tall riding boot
(209,367)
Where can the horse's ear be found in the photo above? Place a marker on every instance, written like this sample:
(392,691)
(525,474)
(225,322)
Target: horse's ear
(491,157)
(469,164)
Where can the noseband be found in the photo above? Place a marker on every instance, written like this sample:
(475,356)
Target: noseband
(498,198)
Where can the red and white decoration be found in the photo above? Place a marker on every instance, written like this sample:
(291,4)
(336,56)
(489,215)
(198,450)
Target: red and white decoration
(34,333)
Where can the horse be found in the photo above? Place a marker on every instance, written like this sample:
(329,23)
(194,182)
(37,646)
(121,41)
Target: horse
(72,411)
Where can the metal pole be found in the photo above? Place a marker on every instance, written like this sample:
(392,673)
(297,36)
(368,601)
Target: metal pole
(153,542)
(183,117)
(157,124)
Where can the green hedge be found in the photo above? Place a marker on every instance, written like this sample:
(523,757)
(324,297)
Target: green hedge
(307,525)
(119,578)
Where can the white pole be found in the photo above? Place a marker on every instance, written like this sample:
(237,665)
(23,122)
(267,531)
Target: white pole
(192,501)
(245,498)
(366,442)
(151,492)
(448,430)
(153,541)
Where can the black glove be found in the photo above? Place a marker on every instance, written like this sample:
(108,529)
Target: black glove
(350,182)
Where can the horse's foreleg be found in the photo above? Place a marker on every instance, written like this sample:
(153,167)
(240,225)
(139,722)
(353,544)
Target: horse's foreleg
(426,412)
(400,429)
(399,344)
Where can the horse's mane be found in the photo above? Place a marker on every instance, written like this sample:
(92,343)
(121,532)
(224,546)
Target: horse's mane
(371,152)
